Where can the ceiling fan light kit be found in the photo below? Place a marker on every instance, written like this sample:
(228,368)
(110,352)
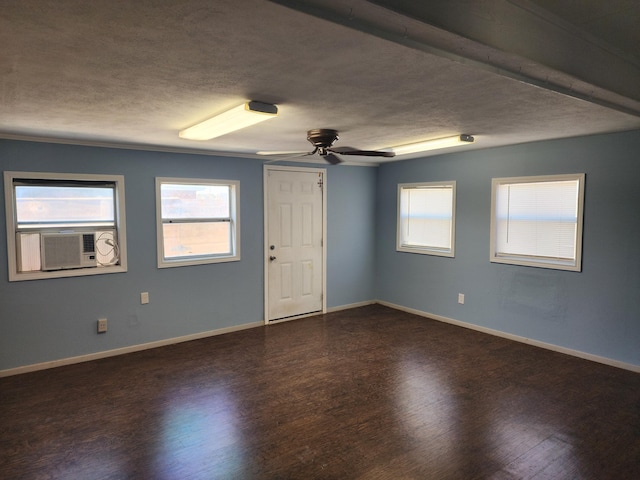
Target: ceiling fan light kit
(245,115)
(435,144)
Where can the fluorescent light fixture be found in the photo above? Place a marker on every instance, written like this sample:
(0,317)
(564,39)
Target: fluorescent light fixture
(242,116)
(435,144)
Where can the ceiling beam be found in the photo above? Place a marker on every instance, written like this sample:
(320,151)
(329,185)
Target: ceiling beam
(503,38)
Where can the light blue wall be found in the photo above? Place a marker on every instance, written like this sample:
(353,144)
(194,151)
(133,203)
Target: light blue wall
(596,311)
(52,319)
(351,243)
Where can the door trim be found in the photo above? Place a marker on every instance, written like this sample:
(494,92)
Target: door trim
(265,205)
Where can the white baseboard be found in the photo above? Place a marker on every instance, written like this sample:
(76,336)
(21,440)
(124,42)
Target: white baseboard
(121,351)
(517,338)
(211,333)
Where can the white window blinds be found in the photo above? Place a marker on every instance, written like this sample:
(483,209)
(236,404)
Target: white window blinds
(538,219)
(426,218)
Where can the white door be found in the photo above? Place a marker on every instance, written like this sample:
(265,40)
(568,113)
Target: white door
(294,232)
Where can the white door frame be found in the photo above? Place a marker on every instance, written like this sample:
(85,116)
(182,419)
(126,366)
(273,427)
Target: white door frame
(323,171)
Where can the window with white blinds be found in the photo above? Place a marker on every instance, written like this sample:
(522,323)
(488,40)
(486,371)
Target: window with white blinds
(426,218)
(537,221)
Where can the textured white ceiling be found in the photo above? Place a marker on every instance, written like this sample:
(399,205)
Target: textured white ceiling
(381,73)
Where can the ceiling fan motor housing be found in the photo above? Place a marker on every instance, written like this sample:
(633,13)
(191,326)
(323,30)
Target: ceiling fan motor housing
(322,137)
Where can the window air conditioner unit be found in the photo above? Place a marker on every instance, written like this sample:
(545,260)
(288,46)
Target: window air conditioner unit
(68,250)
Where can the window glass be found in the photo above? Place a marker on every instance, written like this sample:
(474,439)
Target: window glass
(197,221)
(196,239)
(40,206)
(195,201)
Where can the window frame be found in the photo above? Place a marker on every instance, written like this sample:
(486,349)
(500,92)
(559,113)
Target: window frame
(10,179)
(234,207)
(575,264)
(420,249)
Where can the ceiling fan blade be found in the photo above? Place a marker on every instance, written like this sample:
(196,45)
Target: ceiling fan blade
(283,152)
(286,155)
(365,153)
(332,159)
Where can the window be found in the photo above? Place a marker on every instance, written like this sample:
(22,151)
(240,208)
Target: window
(62,225)
(198,221)
(426,218)
(537,221)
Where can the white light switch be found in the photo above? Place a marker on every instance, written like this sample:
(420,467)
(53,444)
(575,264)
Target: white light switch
(461,298)
(144,298)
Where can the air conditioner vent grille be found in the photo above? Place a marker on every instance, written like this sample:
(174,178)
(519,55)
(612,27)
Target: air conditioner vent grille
(68,250)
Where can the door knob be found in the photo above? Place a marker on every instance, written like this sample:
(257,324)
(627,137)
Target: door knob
(272,258)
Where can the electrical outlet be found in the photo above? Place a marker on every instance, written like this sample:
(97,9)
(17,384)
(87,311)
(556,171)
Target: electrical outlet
(102,325)
(461,298)
(144,298)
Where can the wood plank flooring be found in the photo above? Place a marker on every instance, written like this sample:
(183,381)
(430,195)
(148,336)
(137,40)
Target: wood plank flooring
(367,393)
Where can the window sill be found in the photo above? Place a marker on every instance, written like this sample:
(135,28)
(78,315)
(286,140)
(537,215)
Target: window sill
(75,272)
(162,263)
(528,262)
(426,251)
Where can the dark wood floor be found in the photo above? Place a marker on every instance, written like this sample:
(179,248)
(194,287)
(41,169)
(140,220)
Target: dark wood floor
(368,393)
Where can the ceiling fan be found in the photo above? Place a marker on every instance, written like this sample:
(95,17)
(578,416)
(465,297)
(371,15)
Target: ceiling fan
(323,139)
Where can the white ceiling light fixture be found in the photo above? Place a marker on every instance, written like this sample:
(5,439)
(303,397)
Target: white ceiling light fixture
(245,115)
(435,144)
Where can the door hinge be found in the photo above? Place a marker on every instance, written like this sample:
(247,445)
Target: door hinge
(320,181)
